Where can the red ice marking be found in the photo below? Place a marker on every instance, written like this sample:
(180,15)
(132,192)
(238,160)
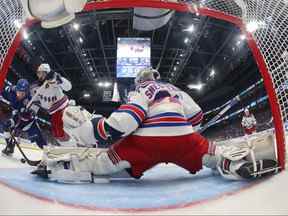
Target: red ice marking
(131,210)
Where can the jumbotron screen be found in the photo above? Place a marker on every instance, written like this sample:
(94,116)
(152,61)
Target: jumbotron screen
(133,54)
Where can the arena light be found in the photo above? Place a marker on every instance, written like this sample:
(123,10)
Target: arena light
(86,95)
(186,40)
(76,26)
(212,73)
(254,26)
(80,40)
(17,23)
(190,29)
(242,37)
(107,84)
(198,86)
(25,35)
(104,84)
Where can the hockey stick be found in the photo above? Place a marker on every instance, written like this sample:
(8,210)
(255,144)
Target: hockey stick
(234,101)
(25,158)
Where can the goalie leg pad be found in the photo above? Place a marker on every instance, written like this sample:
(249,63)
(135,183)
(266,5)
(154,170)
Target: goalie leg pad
(99,165)
(77,164)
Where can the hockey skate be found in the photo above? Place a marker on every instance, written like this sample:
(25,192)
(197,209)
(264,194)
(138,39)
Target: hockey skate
(9,149)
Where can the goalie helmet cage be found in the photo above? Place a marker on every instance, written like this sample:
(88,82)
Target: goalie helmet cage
(268,43)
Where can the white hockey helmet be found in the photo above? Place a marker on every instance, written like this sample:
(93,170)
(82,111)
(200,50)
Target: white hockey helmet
(246,111)
(44,67)
(146,74)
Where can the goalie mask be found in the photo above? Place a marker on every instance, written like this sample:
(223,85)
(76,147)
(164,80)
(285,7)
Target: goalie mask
(146,74)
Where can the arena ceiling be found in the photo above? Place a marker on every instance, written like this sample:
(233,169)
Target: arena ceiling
(213,53)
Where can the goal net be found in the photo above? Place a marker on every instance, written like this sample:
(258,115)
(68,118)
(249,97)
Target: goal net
(264,22)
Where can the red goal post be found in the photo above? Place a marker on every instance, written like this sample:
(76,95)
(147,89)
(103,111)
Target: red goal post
(269,43)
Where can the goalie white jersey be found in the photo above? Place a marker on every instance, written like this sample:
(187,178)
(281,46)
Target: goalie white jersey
(153,109)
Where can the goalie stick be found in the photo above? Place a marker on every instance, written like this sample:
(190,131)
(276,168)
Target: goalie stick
(234,101)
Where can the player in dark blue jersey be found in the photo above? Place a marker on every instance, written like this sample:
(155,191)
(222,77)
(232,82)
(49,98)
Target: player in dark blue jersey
(22,118)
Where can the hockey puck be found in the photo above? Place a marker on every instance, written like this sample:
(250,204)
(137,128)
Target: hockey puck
(23,160)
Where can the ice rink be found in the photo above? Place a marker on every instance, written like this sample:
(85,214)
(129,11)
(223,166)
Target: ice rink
(168,190)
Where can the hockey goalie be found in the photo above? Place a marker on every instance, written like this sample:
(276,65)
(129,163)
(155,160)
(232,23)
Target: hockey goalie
(155,126)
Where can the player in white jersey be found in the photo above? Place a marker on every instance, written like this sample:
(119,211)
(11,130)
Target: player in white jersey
(248,122)
(153,127)
(51,97)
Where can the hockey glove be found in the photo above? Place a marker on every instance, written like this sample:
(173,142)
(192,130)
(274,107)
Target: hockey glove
(26,115)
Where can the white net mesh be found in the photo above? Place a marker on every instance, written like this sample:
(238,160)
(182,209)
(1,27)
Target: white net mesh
(11,15)
(268,19)
(268,22)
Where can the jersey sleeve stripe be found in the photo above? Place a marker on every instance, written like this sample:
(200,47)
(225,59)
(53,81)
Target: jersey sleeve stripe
(58,104)
(101,129)
(165,119)
(167,114)
(139,107)
(132,114)
(137,110)
(166,124)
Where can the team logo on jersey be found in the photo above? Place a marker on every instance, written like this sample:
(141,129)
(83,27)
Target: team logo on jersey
(48,99)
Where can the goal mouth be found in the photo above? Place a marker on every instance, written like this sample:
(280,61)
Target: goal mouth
(215,9)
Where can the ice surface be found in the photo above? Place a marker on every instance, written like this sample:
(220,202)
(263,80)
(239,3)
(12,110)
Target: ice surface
(161,187)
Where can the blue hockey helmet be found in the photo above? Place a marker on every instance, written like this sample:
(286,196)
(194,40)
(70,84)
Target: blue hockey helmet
(22,85)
